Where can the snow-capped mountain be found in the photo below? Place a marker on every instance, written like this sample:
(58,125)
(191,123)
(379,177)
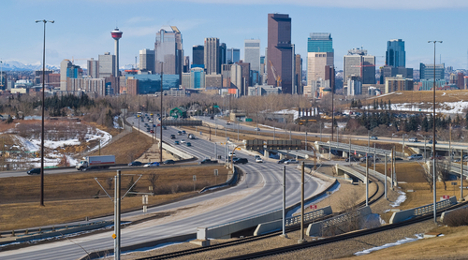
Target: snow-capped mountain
(18,66)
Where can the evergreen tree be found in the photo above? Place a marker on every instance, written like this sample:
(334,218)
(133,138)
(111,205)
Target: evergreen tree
(389,104)
(425,124)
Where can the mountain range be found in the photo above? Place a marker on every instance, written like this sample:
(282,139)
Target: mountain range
(18,66)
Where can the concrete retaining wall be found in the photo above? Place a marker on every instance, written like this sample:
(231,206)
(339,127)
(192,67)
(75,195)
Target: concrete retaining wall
(272,226)
(448,212)
(315,229)
(225,230)
(410,213)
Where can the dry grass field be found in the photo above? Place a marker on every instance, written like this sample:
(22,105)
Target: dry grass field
(74,196)
(424,96)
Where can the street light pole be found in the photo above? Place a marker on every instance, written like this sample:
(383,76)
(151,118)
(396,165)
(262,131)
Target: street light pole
(43,103)
(433,135)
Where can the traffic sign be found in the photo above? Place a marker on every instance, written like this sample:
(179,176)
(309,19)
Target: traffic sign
(194,177)
(216,172)
(114,236)
(446,197)
(313,206)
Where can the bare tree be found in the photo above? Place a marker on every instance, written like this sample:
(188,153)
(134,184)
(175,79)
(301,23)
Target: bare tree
(152,178)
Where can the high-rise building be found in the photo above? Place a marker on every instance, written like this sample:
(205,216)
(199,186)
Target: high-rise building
(147,60)
(222,55)
(186,67)
(358,63)
(280,52)
(232,55)
(93,68)
(198,54)
(168,50)
(298,74)
(395,55)
(252,53)
(106,65)
(64,66)
(426,71)
(320,53)
(211,58)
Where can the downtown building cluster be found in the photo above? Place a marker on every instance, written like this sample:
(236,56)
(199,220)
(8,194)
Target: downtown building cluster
(219,69)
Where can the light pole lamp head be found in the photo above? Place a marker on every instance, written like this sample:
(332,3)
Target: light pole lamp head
(45,21)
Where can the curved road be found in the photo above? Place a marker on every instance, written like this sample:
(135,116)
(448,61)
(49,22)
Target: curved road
(266,176)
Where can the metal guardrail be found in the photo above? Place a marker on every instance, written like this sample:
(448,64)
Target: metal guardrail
(246,218)
(376,174)
(358,148)
(430,208)
(307,217)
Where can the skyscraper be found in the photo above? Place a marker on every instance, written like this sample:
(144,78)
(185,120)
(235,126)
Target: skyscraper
(147,61)
(106,65)
(252,53)
(93,68)
(198,54)
(426,71)
(395,55)
(232,55)
(358,63)
(168,50)
(211,58)
(320,54)
(222,55)
(280,54)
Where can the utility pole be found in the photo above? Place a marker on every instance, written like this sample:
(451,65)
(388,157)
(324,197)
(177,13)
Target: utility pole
(305,141)
(301,240)
(367,180)
(461,176)
(161,128)
(391,168)
(386,175)
(116,235)
(374,156)
(284,202)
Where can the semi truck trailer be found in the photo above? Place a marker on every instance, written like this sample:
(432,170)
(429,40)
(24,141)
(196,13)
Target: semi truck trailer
(96,162)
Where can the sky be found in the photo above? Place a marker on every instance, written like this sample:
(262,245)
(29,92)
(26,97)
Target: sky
(82,28)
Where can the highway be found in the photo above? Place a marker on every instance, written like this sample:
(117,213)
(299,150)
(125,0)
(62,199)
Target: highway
(264,181)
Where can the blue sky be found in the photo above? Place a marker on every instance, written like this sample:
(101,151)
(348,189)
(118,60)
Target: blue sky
(82,28)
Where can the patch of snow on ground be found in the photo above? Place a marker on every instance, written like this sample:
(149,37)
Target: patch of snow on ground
(397,243)
(446,107)
(71,161)
(271,127)
(443,94)
(289,111)
(399,200)
(105,138)
(56,144)
(116,123)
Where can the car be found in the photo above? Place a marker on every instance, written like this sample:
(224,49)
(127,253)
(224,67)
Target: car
(151,131)
(413,139)
(211,117)
(164,128)
(282,160)
(179,132)
(415,157)
(240,160)
(374,137)
(183,132)
(182,141)
(172,136)
(371,158)
(169,162)
(208,161)
(291,161)
(153,164)
(176,142)
(227,123)
(34,171)
(353,159)
(150,121)
(231,154)
(430,142)
(135,163)
(257,129)
(258,160)
(188,144)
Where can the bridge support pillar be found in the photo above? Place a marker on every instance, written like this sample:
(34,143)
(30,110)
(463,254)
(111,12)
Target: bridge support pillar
(266,153)
(345,154)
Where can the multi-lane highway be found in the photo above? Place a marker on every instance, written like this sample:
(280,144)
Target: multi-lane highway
(262,181)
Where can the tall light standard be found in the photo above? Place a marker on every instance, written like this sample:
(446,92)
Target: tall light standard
(433,134)
(43,98)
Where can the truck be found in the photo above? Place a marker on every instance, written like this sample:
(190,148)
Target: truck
(96,162)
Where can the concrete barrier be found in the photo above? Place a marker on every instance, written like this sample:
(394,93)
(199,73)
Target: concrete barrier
(276,225)
(410,213)
(316,229)
(449,212)
(232,181)
(154,243)
(225,230)
(63,231)
(351,171)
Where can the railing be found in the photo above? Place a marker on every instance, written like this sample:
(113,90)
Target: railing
(243,219)
(308,216)
(376,174)
(359,148)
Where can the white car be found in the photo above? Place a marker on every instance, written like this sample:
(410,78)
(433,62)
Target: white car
(231,154)
(257,129)
(182,141)
(258,160)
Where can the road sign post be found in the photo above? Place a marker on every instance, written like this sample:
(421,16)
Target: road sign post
(194,181)
(216,175)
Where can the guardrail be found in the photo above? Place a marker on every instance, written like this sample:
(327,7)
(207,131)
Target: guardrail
(316,229)
(410,213)
(353,147)
(231,181)
(376,174)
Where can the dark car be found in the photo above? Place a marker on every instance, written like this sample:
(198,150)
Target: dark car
(179,132)
(240,160)
(282,160)
(353,159)
(183,132)
(188,144)
(208,161)
(430,142)
(172,136)
(164,128)
(169,162)
(135,163)
(34,171)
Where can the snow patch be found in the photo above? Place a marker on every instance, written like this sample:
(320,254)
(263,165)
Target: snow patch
(399,200)
(397,243)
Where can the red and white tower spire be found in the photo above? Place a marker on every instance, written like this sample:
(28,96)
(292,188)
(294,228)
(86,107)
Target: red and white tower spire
(116,35)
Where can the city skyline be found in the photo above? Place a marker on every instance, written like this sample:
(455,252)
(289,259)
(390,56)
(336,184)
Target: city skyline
(90,37)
